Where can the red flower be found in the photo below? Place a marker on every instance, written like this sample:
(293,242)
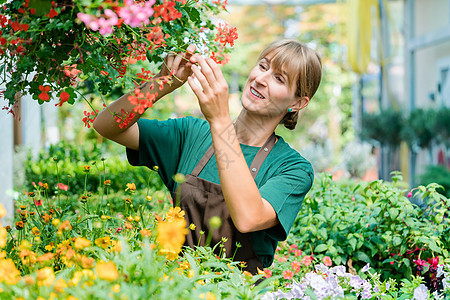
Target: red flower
(53,13)
(63,187)
(37,202)
(44,95)
(419,262)
(32,11)
(64,96)
(226,34)
(268,273)
(167,11)
(15,26)
(89,118)
(24,27)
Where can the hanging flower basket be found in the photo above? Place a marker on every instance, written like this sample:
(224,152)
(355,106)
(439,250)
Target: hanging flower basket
(48,48)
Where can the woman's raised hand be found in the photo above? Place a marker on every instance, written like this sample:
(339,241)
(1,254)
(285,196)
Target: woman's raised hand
(179,66)
(212,92)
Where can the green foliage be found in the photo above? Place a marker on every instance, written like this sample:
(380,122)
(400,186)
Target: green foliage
(373,222)
(419,128)
(384,127)
(64,163)
(438,174)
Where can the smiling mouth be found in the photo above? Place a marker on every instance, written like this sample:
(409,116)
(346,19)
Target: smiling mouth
(255,93)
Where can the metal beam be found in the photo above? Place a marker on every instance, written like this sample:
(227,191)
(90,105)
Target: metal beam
(429,39)
(279,2)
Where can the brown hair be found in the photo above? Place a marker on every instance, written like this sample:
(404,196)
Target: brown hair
(303,66)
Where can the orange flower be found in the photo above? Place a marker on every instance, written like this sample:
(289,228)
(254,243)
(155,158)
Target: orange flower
(171,236)
(27,257)
(60,285)
(9,272)
(175,213)
(145,232)
(65,226)
(46,218)
(45,276)
(87,262)
(131,187)
(3,235)
(107,271)
(2,211)
(81,243)
(45,257)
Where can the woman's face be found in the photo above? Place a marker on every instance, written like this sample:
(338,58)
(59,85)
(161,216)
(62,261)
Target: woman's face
(267,91)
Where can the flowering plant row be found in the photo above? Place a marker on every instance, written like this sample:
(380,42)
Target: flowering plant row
(69,246)
(48,48)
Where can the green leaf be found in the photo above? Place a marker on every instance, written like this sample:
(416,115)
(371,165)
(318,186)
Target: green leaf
(393,212)
(396,241)
(352,242)
(329,213)
(321,248)
(362,257)
(323,233)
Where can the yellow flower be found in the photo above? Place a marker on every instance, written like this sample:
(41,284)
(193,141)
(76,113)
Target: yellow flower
(116,246)
(2,211)
(171,236)
(174,213)
(191,273)
(3,235)
(115,288)
(70,297)
(60,285)
(55,222)
(65,226)
(201,282)
(149,198)
(81,243)
(35,230)
(131,187)
(45,276)
(50,247)
(103,242)
(107,271)
(208,296)
(9,272)
(192,226)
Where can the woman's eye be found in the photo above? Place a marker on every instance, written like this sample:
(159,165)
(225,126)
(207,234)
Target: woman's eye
(279,78)
(263,67)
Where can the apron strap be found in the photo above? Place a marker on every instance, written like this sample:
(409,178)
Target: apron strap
(262,154)
(256,163)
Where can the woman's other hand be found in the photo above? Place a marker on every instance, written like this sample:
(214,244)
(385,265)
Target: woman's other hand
(212,92)
(179,66)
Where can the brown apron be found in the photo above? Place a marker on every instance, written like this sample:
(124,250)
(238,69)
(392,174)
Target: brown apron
(201,199)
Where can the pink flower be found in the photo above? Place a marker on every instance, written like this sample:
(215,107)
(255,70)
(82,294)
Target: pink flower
(296,265)
(37,202)
(267,273)
(327,261)
(419,262)
(63,187)
(298,252)
(307,260)
(288,274)
(137,15)
(292,248)
(119,229)
(410,194)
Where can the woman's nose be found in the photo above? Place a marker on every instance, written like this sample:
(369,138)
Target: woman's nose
(262,78)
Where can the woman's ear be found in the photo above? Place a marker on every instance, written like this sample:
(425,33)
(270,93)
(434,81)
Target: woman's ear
(301,103)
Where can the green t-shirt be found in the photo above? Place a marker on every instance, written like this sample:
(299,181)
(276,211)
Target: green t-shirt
(177,145)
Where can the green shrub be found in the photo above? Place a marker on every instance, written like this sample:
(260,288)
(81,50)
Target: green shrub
(64,163)
(438,174)
(356,223)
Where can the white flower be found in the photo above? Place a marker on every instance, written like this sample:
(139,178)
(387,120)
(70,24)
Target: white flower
(421,293)
(366,268)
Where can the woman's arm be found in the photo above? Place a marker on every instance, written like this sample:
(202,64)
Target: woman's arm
(248,210)
(105,124)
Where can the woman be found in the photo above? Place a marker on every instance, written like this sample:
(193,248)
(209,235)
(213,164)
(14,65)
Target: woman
(256,182)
